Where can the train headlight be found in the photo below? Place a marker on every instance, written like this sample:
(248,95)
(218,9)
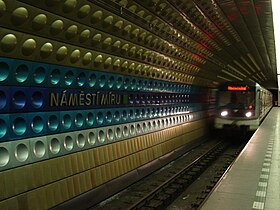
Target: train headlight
(248,114)
(224,113)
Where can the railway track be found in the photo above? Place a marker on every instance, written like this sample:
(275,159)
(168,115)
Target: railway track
(197,193)
(164,187)
(166,192)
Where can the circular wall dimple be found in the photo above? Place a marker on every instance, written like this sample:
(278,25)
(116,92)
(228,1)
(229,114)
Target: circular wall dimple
(116,64)
(170,121)
(21,73)
(138,114)
(61,53)
(79,120)
(166,122)
(39,22)
(110,134)
(92,80)
(149,125)
(37,99)
(19,126)
(53,122)
(117,116)
(158,112)
(75,56)
(90,119)
(100,118)
(8,43)
(4,71)
(37,124)
(132,130)
(19,99)
(149,113)
(4,156)
(162,123)
(154,124)
(102,81)
(133,84)
(28,47)
(66,121)
(98,60)
(46,50)
(56,27)
(109,117)
(119,82)
(182,119)
(126,84)
(143,113)
(55,76)
(131,114)
(144,125)
(101,136)
(159,124)
(69,78)
(3,9)
(81,140)
(39,75)
(124,115)
(68,143)
(154,114)
(3,128)
(71,31)
(69,5)
(138,128)
(84,35)
(139,85)
(39,149)
(96,16)
(111,82)
(87,58)
(118,132)
(54,146)
(125,131)
(91,138)
(108,61)
(19,16)
(3,99)
(21,152)
(81,79)
(84,11)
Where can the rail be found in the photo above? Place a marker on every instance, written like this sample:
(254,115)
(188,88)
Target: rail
(186,176)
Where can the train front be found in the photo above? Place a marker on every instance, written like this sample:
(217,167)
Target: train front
(237,108)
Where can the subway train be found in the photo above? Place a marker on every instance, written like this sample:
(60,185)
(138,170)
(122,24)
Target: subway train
(241,106)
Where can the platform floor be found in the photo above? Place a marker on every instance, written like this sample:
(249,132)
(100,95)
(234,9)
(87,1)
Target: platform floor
(253,181)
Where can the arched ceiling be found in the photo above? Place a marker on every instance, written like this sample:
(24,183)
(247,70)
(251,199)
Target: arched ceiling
(214,40)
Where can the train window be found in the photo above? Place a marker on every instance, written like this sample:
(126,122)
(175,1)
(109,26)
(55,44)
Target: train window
(237,99)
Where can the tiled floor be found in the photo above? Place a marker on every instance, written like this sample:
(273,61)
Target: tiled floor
(253,182)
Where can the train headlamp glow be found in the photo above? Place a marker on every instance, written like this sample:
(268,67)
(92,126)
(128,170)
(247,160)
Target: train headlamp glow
(248,114)
(224,113)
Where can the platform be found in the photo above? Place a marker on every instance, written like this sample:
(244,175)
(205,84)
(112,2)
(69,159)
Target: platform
(253,181)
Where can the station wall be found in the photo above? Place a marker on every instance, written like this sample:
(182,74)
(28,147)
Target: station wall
(87,96)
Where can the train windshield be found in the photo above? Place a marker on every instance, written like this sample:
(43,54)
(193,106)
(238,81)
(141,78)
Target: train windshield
(237,99)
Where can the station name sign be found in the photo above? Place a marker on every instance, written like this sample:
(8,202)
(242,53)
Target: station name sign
(88,99)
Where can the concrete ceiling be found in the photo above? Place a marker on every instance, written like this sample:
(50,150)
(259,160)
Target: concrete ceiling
(214,40)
